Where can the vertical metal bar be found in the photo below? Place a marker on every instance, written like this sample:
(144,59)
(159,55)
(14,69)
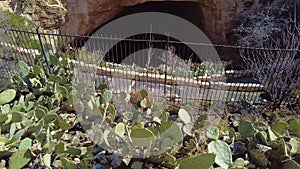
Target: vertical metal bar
(30,37)
(124,81)
(49,42)
(26,46)
(181,58)
(105,52)
(135,49)
(159,46)
(23,46)
(15,45)
(166,67)
(43,50)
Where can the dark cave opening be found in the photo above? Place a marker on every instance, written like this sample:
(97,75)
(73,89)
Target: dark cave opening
(189,11)
(146,42)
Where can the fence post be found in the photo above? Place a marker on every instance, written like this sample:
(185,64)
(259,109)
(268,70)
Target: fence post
(43,50)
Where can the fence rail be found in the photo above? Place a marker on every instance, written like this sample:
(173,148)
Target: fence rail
(164,67)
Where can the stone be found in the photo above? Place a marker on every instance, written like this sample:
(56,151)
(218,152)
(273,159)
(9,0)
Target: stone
(85,16)
(48,14)
(4,5)
(216,18)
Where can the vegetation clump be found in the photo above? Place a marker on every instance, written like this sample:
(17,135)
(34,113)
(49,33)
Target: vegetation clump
(44,124)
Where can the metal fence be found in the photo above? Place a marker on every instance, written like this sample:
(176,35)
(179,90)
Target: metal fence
(159,64)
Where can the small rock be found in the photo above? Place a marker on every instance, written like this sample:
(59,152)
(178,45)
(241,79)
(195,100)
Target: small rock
(116,158)
(77,160)
(263,148)
(102,158)
(259,158)
(239,148)
(97,166)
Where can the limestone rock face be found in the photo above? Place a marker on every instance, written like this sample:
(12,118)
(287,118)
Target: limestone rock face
(216,18)
(4,5)
(48,14)
(85,16)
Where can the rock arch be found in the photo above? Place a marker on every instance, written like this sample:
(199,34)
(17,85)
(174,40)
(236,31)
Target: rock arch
(214,17)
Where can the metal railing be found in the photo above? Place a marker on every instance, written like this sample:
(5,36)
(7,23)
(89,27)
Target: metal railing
(163,66)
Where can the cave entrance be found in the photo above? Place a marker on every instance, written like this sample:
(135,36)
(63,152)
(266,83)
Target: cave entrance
(149,49)
(189,11)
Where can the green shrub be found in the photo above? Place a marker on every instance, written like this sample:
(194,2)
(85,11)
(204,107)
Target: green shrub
(12,20)
(36,129)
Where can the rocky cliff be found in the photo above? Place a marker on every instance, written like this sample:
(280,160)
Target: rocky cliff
(216,18)
(48,14)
